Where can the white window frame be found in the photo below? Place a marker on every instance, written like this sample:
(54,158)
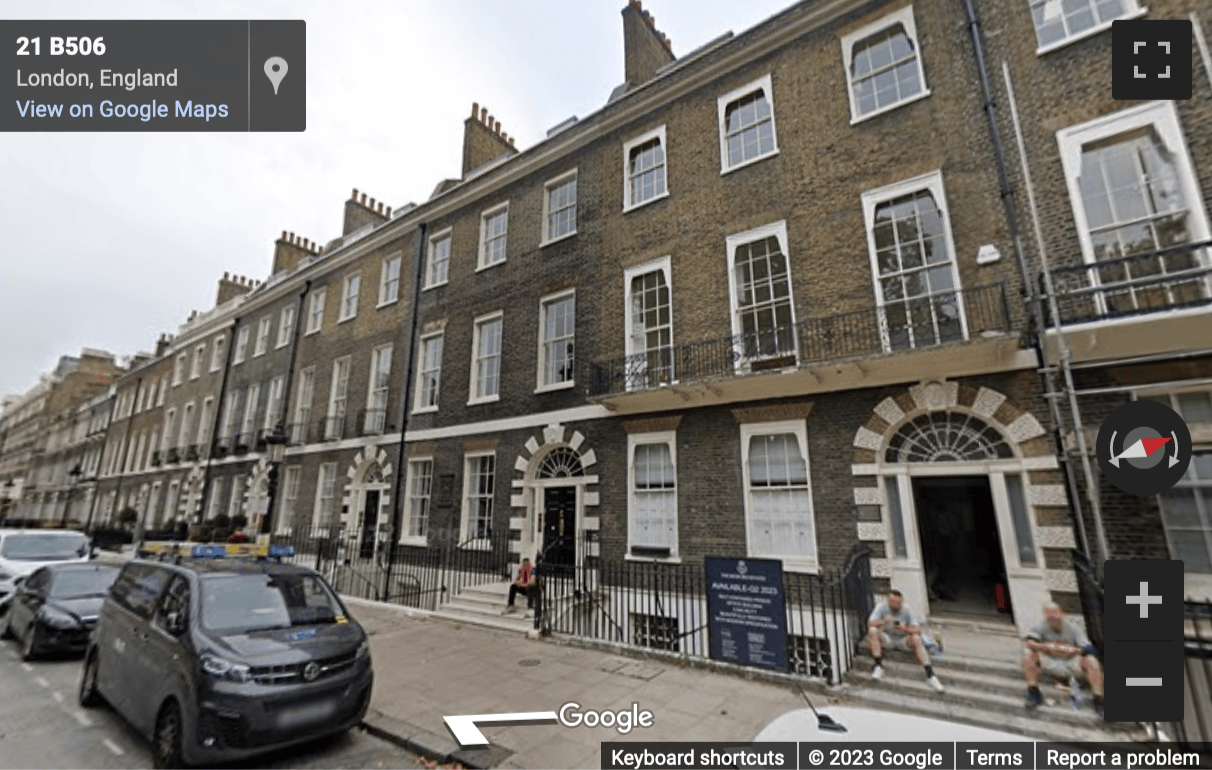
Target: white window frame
(238,488)
(264,328)
(487,214)
(304,399)
(430,251)
(423,538)
(186,418)
(417,407)
(351,292)
(474,384)
(242,344)
(286,326)
(904,17)
(251,396)
(791,563)
(204,421)
(471,459)
(217,351)
(1162,117)
(374,388)
(273,405)
(931,182)
(166,436)
(326,495)
(285,518)
(338,395)
(656,133)
(764,84)
(541,385)
(178,377)
(1136,12)
(634,440)
(779,231)
(548,186)
(665,266)
(163,389)
(315,310)
(195,367)
(389,287)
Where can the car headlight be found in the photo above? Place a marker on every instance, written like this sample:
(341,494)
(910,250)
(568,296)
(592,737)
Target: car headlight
(364,650)
(224,668)
(58,619)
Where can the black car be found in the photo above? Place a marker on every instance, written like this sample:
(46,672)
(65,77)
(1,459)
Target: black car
(56,607)
(220,659)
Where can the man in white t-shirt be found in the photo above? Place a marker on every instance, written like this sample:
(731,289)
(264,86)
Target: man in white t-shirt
(896,627)
(1056,649)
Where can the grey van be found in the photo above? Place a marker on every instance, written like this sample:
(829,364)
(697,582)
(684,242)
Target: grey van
(220,659)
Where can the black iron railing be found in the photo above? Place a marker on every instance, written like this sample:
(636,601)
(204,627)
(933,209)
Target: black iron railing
(1195,731)
(661,605)
(1167,279)
(332,428)
(156,460)
(244,441)
(928,321)
(296,432)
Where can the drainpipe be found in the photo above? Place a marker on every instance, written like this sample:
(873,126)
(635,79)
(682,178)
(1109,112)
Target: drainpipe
(214,428)
(285,405)
(410,329)
(1035,307)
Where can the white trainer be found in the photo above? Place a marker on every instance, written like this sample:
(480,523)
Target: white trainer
(936,684)
(877,673)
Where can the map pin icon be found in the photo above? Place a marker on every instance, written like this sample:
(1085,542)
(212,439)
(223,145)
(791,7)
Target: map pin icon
(275,70)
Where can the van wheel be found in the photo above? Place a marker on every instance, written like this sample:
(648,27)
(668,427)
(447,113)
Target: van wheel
(90,696)
(166,752)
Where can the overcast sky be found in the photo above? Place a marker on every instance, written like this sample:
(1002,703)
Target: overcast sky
(110,239)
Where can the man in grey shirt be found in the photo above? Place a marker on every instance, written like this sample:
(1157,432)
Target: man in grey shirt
(1059,650)
(894,626)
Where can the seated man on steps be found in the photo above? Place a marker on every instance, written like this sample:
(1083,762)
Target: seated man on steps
(894,626)
(527,583)
(1061,651)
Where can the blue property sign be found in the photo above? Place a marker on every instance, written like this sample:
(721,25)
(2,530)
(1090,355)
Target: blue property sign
(746,613)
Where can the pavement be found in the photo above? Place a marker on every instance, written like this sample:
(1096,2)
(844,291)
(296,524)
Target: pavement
(427,668)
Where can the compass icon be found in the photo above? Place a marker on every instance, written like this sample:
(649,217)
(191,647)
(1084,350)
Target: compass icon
(1144,448)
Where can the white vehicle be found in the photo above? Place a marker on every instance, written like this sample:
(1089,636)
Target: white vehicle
(24,550)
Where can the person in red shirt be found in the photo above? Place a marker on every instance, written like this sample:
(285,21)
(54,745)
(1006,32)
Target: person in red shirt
(526,583)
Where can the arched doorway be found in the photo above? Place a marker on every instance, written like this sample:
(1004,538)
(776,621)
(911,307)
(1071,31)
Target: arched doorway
(556,502)
(366,507)
(959,490)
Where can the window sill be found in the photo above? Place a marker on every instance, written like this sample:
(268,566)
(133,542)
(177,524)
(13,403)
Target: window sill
(425,410)
(484,400)
(1096,29)
(629,208)
(386,303)
(746,163)
(672,558)
(483,544)
(414,540)
(854,121)
(435,285)
(258,355)
(482,268)
(556,386)
(310,332)
(792,564)
(281,345)
(347,318)
(563,237)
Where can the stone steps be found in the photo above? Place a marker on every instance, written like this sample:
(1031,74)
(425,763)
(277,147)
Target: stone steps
(483,605)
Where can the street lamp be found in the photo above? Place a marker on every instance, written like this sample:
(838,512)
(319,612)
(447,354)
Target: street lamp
(275,450)
(75,473)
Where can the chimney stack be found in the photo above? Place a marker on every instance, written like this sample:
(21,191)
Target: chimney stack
(483,139)
(645,49)
(232,286)
(290,250)
(361,210)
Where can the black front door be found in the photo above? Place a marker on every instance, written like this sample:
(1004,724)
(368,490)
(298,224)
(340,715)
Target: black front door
(560,526)
(370,520)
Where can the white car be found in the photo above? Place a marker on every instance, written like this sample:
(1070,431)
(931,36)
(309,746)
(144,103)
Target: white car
(24,550)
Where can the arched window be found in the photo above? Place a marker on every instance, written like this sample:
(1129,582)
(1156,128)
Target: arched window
(561,463)
(946,437)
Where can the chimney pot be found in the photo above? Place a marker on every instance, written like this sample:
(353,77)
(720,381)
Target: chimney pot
(491,120)
(363,199)
(511,141)
(496,127)
(380,207)
(283,235)
(372,203)
(505,136)
(483,114)
(389,212)
(225,273)
(307,243)
(354,197)
(475,108)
